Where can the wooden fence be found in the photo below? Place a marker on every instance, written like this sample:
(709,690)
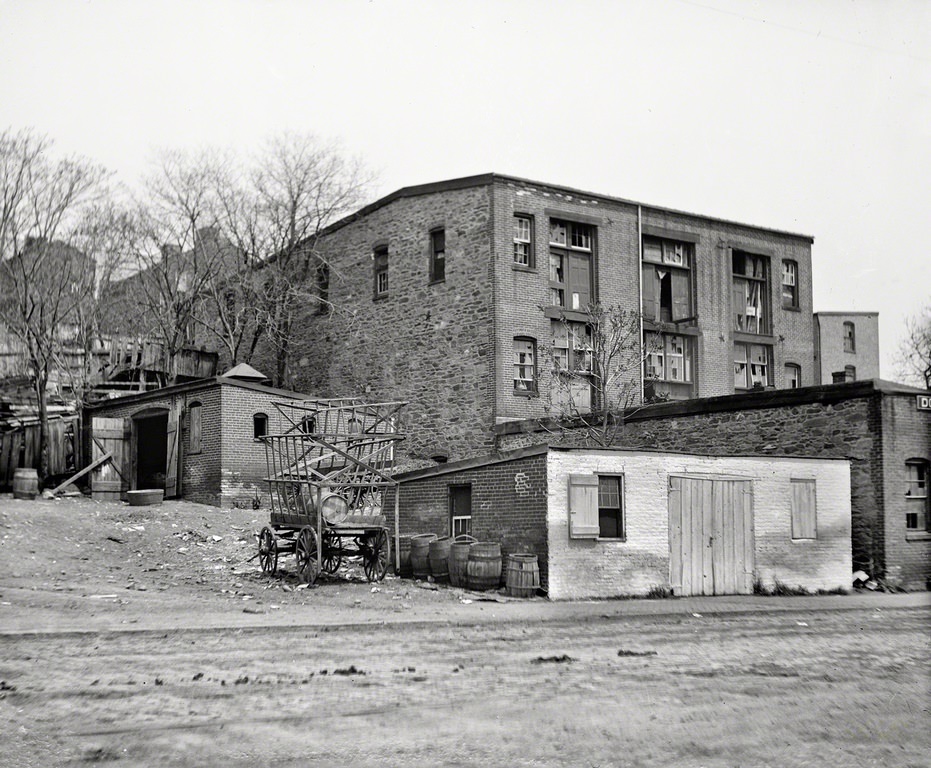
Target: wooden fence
(19,447)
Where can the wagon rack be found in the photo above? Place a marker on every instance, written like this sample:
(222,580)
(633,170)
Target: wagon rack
(327,472)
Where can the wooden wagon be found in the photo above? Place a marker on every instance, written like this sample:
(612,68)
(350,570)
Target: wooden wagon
(327,472)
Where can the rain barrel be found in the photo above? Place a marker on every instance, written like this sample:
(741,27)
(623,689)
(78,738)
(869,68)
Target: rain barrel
(459,559)
(25,483)
(420,554)
(523,575)
(483,570)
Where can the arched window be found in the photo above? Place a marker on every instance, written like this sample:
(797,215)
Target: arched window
(259,425)
(850,337)
(793,376)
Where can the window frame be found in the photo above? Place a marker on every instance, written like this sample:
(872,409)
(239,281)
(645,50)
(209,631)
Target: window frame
(438,255)
(922,498)
(570,254)
(663,353)
(621,520)
(790,296)
(533,388)
(764,318)
(379,271)
(466,530)
(748,363)
(256,418)
(527,243)
(850,339)
(798,375)
(677,259)
(850,373)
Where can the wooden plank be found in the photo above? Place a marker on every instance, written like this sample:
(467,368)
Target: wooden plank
(30,441)
(6,446)
(172,458)
(675,534)
(79,475)
(697,537)
(56,447)
(722,585)
(707,528)
(740,564)
(749,539)
(686,517)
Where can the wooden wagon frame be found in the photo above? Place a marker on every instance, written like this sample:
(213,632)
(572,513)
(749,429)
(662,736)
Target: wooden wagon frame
(327,473)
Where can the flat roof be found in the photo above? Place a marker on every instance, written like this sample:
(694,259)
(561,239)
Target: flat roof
(486,179)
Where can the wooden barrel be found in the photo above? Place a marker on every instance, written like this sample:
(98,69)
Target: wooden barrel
(523,576)
(403,545)
(439,559)
(459,559)
(420,554)
(483,570)
(25,483)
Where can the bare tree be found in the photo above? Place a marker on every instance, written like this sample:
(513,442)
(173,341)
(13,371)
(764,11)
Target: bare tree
(914,354)
(273,212)
(596,367)
(44,280)
(170,235)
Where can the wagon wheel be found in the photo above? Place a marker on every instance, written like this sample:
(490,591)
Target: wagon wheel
(268,551)
(332,552)
(305,550)
(375,563)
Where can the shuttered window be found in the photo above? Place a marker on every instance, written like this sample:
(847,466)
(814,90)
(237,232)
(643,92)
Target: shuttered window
(804,518)
(194,428)
(583,507)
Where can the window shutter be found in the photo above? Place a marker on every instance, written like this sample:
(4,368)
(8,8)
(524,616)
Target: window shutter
(803,510)
(583,507)
(680,295)
(650,293)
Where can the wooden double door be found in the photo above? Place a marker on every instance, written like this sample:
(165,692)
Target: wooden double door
(711,538)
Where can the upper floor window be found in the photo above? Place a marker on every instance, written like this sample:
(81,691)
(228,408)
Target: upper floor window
(916,493)
(194,428)
(793,376)
(668,357)
(523,241)
(667,285)
(525,365)
(381,271)
(850,337)
(790,284)
(751,293)
(572,347)
(751,366)
(437,255)
(571,250)
(259,425)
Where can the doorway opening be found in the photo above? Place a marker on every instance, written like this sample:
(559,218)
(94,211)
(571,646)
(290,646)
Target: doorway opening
(151,450)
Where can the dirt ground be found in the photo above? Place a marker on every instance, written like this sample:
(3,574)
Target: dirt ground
(149,637)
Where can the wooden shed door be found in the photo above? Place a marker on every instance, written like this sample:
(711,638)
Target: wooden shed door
(173,457)
(710,536)
(110,480)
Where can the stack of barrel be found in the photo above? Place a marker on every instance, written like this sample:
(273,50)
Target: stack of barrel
(464,562)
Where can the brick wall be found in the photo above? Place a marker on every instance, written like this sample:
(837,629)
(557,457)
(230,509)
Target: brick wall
(906,435)
(586,568)
(830,354)
(243,457)
(508,505)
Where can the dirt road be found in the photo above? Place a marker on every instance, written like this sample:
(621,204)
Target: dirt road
(104,661)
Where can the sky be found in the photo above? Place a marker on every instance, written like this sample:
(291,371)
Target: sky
(812,116)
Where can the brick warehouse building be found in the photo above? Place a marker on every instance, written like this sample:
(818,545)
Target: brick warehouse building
(449,296)
(884,429)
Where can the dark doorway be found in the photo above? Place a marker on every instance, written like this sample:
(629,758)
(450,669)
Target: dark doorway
(151,451)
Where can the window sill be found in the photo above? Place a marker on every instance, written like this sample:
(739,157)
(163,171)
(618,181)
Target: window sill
(918,536)
(523,268)
(437,282)
(754,338)
(380,297)
(789,308)
(619,541)
(672,327)
(557,313)
(525,393)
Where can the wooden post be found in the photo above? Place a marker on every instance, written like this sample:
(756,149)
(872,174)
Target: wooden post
(397,529)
